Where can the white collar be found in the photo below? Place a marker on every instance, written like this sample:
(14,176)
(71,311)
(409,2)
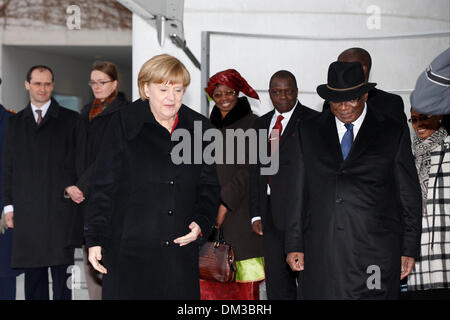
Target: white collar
(286,115)
(357,123)
(44,108)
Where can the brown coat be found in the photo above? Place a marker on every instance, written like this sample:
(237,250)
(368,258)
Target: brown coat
(235,186)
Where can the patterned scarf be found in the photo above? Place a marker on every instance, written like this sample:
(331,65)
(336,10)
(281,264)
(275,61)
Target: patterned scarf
(422,149)
(98,106)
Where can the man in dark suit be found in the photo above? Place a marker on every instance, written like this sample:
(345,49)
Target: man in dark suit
(272,196)
(7,274)
(360,222)
(388,104)
(37,169)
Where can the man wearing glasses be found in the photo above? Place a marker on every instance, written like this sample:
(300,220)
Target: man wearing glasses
(358,232)
(37,168)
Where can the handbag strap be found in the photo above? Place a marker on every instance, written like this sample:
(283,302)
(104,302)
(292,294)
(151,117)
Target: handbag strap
(220,235)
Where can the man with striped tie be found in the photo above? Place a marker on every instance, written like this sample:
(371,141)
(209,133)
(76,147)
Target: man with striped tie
(37,168)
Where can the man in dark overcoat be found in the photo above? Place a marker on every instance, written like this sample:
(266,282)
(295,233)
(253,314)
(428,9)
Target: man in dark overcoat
(37,169)
(360,222)
(7,274)
(389,104)
(272,196)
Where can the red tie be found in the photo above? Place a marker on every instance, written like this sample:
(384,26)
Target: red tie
(275,134)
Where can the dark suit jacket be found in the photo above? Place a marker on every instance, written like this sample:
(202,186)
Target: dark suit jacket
(284,184)
(388,104)
(89,137)
(37,167)
(361,213)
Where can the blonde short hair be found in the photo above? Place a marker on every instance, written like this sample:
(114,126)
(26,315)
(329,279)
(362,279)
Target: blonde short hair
(162,68)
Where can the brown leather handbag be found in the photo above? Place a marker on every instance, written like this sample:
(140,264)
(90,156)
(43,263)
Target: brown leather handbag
(217,261)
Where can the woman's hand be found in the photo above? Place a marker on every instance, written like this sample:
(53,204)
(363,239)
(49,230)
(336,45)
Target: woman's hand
(190,237)
(95,255)
(75,194)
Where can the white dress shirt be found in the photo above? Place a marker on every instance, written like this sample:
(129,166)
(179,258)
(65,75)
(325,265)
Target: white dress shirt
(341,129)
(44,109)
(10,208)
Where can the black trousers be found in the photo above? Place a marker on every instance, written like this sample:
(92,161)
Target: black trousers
(281,281)
(8,288)
(37,283)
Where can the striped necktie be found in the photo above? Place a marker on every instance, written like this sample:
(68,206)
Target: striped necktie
(39,119)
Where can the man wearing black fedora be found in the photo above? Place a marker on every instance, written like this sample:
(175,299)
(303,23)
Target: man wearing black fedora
(360,223)
(389,104)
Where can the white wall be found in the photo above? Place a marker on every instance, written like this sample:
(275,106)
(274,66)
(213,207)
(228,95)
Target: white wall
(396,63)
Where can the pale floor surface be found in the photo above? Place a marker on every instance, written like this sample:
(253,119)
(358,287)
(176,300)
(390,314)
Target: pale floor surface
(79,293)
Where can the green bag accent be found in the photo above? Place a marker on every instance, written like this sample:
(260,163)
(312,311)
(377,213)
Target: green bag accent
(250,270)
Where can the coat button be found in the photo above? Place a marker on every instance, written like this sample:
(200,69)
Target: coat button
(167,243)
(171,182)
(170,213)
(339,200)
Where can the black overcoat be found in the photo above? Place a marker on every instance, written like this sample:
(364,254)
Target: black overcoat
(89,135)
(235,184)
(6,238)
(141,201)
(360,214)
(37,167)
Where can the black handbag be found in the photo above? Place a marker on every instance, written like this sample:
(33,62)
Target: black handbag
(217,261)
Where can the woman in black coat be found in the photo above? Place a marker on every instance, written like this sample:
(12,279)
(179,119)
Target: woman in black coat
(146,211)
(93,120)
(232,112)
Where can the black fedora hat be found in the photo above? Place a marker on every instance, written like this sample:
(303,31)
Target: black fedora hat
(346,81)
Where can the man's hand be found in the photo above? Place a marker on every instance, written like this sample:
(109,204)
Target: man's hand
(221,213)
(9,219)
(190,237)
(257,227)
(95,255)
(75,194)
(407,266)
(296,260)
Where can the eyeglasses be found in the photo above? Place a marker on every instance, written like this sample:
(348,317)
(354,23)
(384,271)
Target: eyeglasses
(219,95)
(99,83)
(421,118)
